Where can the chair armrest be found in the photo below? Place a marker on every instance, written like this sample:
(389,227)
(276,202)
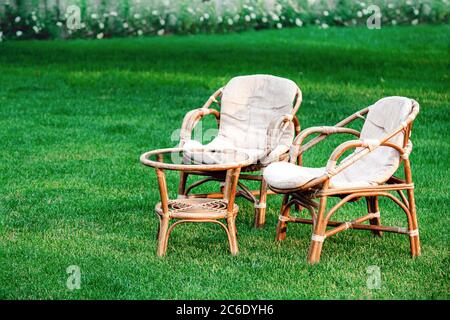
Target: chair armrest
(324,131)
(368,146)
(277,127)
(191,119)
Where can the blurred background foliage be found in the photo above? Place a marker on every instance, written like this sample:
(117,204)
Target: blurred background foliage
(47,19)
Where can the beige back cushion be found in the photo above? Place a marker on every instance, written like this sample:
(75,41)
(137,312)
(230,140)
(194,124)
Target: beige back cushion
(249,104)
(379,165)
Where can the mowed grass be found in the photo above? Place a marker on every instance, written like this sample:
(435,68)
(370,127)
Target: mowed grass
(75,117)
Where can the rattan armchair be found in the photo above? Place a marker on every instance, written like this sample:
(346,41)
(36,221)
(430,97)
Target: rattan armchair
(380,148)
(255,114)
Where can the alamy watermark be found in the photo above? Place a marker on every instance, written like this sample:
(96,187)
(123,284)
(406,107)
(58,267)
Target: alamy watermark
(374,277)
(374,21)
(74,279)
(73,14)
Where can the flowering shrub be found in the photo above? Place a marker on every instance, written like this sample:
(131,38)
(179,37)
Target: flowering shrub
(100,19)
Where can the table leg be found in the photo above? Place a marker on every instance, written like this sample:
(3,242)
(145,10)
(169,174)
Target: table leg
(231,182)
(164,221)
(163,236)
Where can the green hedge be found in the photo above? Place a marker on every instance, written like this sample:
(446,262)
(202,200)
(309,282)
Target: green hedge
(99,19)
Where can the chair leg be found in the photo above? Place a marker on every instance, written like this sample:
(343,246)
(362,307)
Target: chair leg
(414,226)
(282,224)
(182,185)
(372,207)
(318,236)
(260,207)
(162,236)
(298,207)
(231,224)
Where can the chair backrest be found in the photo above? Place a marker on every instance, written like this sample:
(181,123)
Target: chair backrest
(385,116)
(249,104)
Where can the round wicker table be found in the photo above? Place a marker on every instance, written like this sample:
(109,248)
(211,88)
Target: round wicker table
(188,209)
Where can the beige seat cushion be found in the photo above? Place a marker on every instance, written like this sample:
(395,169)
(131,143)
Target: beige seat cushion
(285,175)
(249,104)
(373,169)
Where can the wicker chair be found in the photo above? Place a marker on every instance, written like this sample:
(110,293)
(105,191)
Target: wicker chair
(382,146)
(257,116)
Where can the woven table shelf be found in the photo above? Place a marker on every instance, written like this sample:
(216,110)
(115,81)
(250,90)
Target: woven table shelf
(197,209)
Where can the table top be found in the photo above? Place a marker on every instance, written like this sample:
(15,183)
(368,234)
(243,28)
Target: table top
(198,159)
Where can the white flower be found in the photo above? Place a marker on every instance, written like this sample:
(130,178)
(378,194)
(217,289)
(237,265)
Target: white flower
(100,35)
(201,19)
(140,32)
(19,33)
(279,25)
(36,29)
(206,15)
(326,13)
(155,12)
(190,10)
(160,32)
(101,25)
(275,17)
(219,19)
(247,18)
(1,36)
(236,17)
(390,5)
(113,14)
(59,24)
(394,22)
(324,26)
(33,17)
(17,19)
(230,21)
(136,15)
(298,22)
(162,22)
(415,22)
(94,16)
(172,20)
(253,15)
(264,20)
(416,12)
(408,2)
(359,14)
(125,25)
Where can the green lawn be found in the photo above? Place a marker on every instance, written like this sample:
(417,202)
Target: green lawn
(75,117)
